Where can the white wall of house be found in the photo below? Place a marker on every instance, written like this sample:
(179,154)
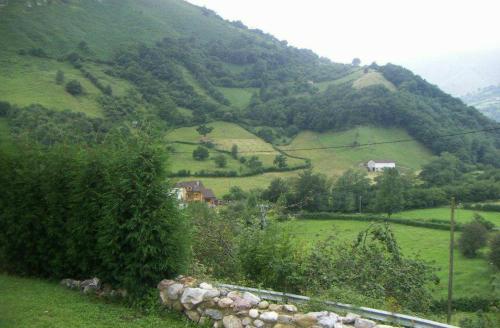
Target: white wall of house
(374,166)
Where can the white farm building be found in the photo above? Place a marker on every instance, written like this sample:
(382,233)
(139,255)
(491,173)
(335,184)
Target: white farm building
(378,166)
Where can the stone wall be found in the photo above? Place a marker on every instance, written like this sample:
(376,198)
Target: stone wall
(204,303)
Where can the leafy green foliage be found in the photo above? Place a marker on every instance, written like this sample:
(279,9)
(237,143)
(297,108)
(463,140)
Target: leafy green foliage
(200,153)
(350,191)
(389,197)
(74,87)
(59,77)
(481,320)
(270,257)
(234,151)
(495,250)
(204,130)
(280,161)
(102,211)
(442,171)
(220,160)
(374,267)
(215,242)
(277,188)
(47,127)
(474,236)
(309,192)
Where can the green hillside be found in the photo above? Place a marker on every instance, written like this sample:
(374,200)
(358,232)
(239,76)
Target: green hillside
(171,66)
(183,141)
(58,26)
(25,81)
(408,156)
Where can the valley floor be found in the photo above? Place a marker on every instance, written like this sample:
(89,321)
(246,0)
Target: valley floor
(33,303)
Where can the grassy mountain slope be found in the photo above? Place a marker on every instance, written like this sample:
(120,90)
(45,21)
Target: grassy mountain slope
(24,81)
(223,136)
(172,65)
(331,162)
(58,26)
(408,156)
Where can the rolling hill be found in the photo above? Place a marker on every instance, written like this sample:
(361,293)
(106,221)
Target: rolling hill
(172,66)
(332,162)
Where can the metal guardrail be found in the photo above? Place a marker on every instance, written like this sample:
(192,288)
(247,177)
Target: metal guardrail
(379,315)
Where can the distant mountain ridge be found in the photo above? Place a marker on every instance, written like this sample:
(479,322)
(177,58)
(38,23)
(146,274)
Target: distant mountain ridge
(487,100)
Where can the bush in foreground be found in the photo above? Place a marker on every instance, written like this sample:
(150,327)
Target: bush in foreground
(103,211)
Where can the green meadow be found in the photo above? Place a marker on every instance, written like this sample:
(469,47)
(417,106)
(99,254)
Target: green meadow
(28,80)
(472,276)
(223,136)
(239,97)
(409,156)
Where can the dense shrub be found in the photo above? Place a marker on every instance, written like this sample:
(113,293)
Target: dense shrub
(4,108)
(103,211)
(200,153)
(270,257)
(373,266)
(474,236)
(495,250)
(74,87)
(215,242)
(465,304)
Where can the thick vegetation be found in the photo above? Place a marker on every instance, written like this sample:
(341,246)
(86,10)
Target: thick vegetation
(103,211)
(236,244)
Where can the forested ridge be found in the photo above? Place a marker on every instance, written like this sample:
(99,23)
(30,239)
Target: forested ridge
(191,68)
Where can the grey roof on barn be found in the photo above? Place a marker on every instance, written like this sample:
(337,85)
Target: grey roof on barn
(384,161)
(197,186)
(192,185)
(208,193)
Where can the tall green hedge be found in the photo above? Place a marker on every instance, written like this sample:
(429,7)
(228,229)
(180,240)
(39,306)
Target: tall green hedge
(104,211)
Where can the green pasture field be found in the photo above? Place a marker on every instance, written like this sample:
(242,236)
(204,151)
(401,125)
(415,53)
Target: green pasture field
(472,276)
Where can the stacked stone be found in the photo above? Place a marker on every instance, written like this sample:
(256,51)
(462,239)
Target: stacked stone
(233,309)
(93,286)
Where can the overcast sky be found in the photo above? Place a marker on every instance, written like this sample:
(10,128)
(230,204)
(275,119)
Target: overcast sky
(398,31)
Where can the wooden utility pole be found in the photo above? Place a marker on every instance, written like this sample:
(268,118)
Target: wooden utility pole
(360,197)
(450,271)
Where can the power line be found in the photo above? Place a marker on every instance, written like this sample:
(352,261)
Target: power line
(358,145)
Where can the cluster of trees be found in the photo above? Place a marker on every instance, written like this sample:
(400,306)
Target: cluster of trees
(441,179)
(103,211)
(48,127)
(475,235)
(235,244)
